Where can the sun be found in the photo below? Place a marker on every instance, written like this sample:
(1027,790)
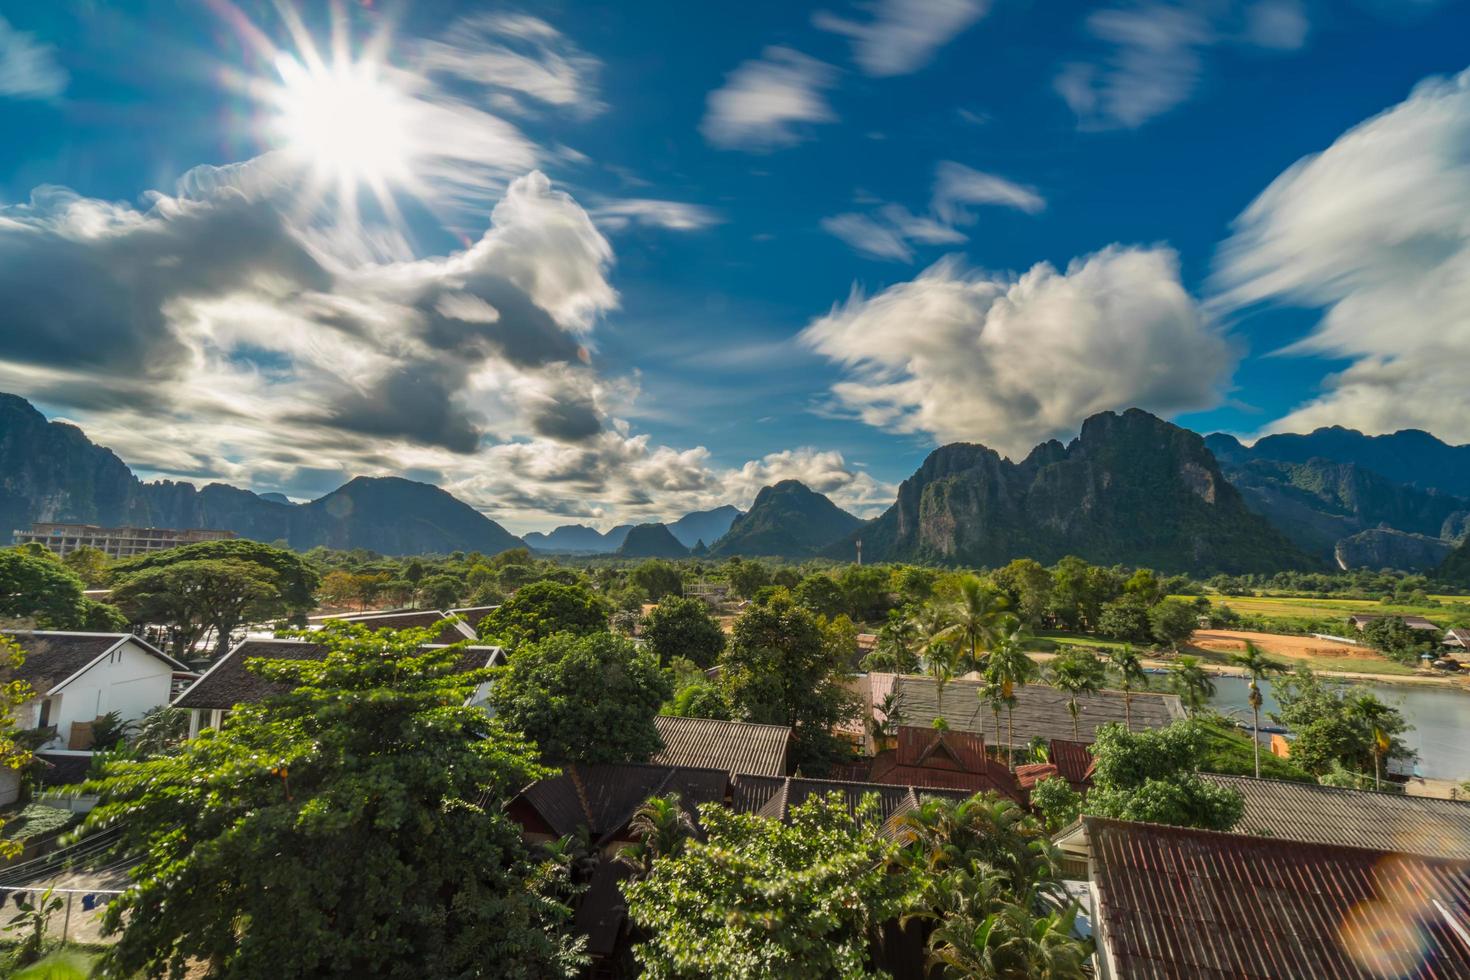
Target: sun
(346,122)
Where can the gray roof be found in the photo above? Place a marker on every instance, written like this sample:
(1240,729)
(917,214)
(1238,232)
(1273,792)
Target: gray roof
(1350,817)
(734,746)
(229,682)
(53,656)
(603,798)
(774,796)
(1039,711)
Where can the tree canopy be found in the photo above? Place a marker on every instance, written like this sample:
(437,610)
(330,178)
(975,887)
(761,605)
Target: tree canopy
(352,827)
(36,586)
(294,577)
(1150,776)
(545,607)
(683,627)
(201,595)
(583,698)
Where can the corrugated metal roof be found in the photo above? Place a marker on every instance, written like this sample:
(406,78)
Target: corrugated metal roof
(603,798)
(1174,902)
(772,797)
(734,746)
(1073,760)
(1040,710)
(1349,817)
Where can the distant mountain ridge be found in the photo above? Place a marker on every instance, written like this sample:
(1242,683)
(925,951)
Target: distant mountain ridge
(651,541)
(787,520)
(704,525)
(1409,456)
(50,471)
(1131,488)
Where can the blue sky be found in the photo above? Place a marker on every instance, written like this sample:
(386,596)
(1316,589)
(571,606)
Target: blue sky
(801,241)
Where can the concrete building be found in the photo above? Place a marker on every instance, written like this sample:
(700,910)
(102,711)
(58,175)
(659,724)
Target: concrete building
(115,542)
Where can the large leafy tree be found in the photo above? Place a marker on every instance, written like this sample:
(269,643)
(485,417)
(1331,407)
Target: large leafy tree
(1150,776)
(657,579)
(761,898)
(1192,683)
(36,587)
(13,754)
(352,827)
(294,577)
(199,596)
(1337,727)
(1173,622)
(781,669)
(545,607)
(683,627)
(584,698)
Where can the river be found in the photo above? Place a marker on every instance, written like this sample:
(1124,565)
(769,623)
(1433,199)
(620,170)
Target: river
(1440,716)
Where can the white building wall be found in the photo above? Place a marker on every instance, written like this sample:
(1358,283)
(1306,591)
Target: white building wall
(129,680)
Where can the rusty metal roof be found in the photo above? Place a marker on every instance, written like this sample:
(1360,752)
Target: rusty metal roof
(1350,817)
(734,746)
(1174,902)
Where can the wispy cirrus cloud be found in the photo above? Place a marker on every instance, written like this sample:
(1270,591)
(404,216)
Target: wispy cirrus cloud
(768,103)
(902,36)
(620,213)
(1156,53)
(891,231)
(28,67)
(520,57)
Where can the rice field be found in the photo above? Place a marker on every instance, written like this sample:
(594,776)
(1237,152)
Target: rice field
(1300,611)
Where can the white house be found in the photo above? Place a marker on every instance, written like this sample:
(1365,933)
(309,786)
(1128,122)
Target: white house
(78,677)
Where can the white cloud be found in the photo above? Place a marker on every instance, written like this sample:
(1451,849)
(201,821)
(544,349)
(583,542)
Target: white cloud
(903,35)
(956,185)
(28,68)
(517,55)
(964,355)
(764,104)
(1156,53)
(891,230)
(1376,230)
(618,214)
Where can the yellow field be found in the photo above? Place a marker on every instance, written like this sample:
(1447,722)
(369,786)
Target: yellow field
(1305,610)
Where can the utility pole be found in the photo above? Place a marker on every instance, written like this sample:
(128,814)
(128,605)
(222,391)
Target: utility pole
(860,550)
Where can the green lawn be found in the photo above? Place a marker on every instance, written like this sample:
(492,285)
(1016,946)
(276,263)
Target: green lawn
(1228,750)
(1081,640)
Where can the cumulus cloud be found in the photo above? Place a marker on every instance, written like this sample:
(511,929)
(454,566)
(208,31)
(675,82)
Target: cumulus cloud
(891,230)
(903,35)
(519,56)
(621,213)
(1156,53)
(1010,362)
(765,104)
(28,68)
(1376,231)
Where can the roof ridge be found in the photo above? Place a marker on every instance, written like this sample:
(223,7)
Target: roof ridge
(1278,781)
(1088,820)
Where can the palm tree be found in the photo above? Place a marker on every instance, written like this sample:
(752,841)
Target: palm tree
(973,616)
(662,827)
(1010,668)
(1075,672)
(1372,712)
(1257,665)
(1130,672)
(937,650)
(898,640)
(1192,684)
(992,695)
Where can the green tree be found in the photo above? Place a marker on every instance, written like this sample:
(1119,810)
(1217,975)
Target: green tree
(683,627)
(354,826)
(1126,619)
(1149,776)
(542,608)
(1173,622)
(1192,683)
(440,591)
(780,669)
(746,577)
(294,577)
(661,828)
(14,754)
(91,565)
(198,597)
(657,579)
(864,592)
(760,898)
(586,698)
(1009,669)
(700,700)
(1256,665)
(1056,802)
(1075,672)
(973,617)
(821,594)
(1338,727)
(37,587)
(1395,640)
(1027,586)
(1131,676)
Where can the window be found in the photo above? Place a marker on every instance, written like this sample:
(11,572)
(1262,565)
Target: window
(45,718)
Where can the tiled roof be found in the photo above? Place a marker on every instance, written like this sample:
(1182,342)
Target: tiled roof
(1073,760)
(603,798)
(1040,711)
(417,619)
(734,746)
(951,760)
(230,682)
(1174,902)
(473,614)
(1349,817)
(1034,772)
(52,656)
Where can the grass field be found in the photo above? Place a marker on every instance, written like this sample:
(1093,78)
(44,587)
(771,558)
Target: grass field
(1228,750)
(1301,610)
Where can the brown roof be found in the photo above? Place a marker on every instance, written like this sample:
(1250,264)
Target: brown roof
(1040,711)
(1349,817)
(415,619)
(950,760)
(230,682)
(1175,902)
(53,656)
(734,746)
(473,614)
(602,909)
(1412,622)
(773,796)
(603,798)
(1073,760)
